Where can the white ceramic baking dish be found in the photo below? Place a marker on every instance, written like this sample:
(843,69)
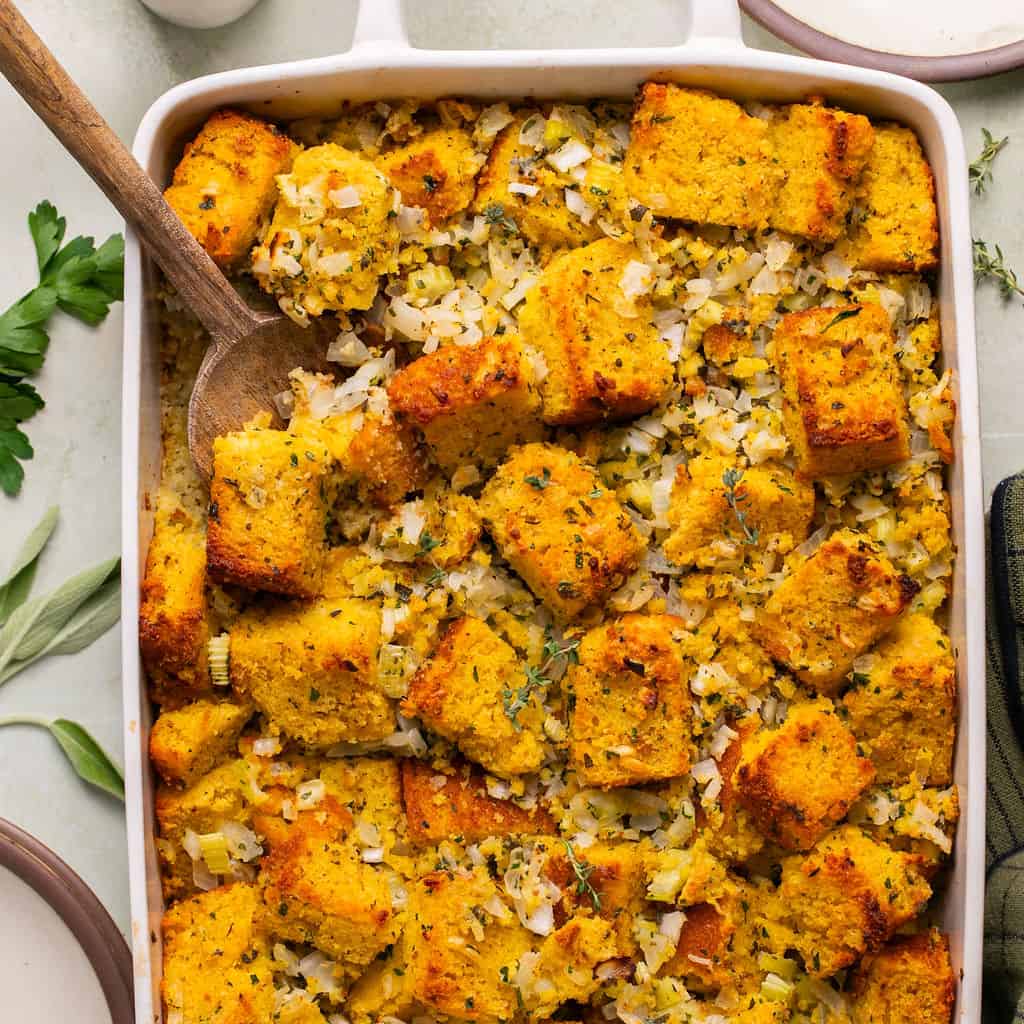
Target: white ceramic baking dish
(382,64)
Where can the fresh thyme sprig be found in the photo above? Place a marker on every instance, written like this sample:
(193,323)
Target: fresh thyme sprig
(731,478)
(993,265)
(513,701)
(980,171)
(583,870)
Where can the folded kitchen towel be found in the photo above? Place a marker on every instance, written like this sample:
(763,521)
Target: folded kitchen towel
(1004,892)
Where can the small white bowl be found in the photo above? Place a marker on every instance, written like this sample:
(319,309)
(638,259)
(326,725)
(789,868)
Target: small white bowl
(200,13)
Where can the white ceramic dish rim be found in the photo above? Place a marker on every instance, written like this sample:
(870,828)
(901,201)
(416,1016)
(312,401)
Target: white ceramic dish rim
(382,64)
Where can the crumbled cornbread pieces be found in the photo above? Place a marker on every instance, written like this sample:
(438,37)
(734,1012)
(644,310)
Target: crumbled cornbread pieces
(699,157)
(909,981)
(844,409)
(173,628)
(822,152)
(269,498)
(317,889)
(312,670)
(719,510)
(469,692)
(435,171)
(902,707)
(847,897)
(895,226)
(217,968)
(224,187)
(461,957)
(440,806)
(833,608)
(567,536)
(631,712)
(332,235)
(186,743)
(800,779)
(591,321)
(701,955)
(472,403)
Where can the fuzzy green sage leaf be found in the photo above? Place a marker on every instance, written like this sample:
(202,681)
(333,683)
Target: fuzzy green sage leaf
(15,589)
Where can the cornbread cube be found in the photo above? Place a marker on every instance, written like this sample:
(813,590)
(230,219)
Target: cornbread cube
(630,713)
(332,235)
(465,693)
(560,529)
(718,510)
(909,981)
(834,607)
(173,629)
(459,806)
(822,153)
(903,707)
(800,779)
(312,670)
(895,224)
(216,964)
(543,218)
(461,960)
(847,897)
(844,409)
(734,836)
(471,403)
(603,354)
(702,956)
(224,187)
(316,889)
(698,157)
(269,498)
(383,989)
(435,171)
(186,743)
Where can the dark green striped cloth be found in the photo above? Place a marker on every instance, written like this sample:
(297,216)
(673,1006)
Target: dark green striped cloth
(1004,835)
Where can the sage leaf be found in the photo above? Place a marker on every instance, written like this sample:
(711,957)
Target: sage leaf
(87,757)
(37,622)
(90,622)
(15,589)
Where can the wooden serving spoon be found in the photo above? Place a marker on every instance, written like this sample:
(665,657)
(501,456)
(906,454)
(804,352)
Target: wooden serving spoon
(252,352)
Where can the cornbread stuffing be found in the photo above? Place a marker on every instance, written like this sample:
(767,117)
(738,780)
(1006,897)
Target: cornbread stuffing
(577,651)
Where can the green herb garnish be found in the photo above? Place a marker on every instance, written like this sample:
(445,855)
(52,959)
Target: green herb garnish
(980,171)
(514,700)
(430,183)
(539,483)
(494,213)
(582,869)
(987,265)
(427,543)
(730,479)
(846,314)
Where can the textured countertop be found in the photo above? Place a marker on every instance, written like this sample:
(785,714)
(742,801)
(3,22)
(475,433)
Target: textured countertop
(125,58)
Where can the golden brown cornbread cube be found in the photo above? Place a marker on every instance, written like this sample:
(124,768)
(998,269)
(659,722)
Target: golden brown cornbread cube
(631,705)
(702,956)
(844,409)
(542,218)
(699,157)
(317,890)
(435,171)
(173,629)
(186,743)
(909,981)
(370,788)
(216,965)
(461,806)
(895,224)
(467,693)
(458,954)
(558,526)
(471,403)
(834,607)
(719,510)
(312,670)
(799,780)
(734,837)
(603,354)
(822,152)
(224,187)
(847,897)
(269,498)
(903,707)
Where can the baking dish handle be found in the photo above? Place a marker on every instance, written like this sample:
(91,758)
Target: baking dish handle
(380,23)
(715,21)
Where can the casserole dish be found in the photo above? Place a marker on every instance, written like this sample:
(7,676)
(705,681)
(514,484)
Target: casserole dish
(382,64)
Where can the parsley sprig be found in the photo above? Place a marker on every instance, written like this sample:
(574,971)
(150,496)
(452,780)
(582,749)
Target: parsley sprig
(514,700)
(980,171)
(582,869)
(731,479)
(78,279)
(993,265)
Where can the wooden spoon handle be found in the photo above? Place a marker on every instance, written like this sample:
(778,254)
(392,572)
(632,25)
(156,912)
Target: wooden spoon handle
(44,84)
